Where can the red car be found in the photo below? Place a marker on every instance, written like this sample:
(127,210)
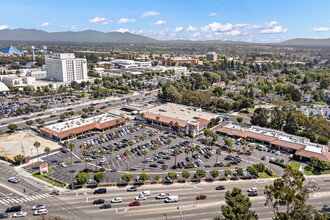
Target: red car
(135,203)
(201,197)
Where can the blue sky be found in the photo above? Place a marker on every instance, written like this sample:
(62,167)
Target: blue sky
(247,20)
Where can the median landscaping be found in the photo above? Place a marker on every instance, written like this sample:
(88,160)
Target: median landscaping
(48,180)
(295,165)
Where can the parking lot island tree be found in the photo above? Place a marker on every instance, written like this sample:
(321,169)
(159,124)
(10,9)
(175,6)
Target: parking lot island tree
(71,146)
(98,177)
(185,174)
(145,153)
(85,154)
(218,153)
(19,159)
(172,175)
(157,177)
(214,173)
(12,127)
(29,123)
(201,173)
(143,177)
(176,152)
(228,172)
(238,206)
(82,178)
(127,177)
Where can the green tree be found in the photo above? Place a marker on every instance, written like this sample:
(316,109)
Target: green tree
(277,119)
(29,123)
(82,177)
(229,142)
(37,144)
(252,170)
(172,175)
(85,154)
(218,153)
(19,159)
(227,172)
(323,140)
(98,177)
(127,177)
(201,173)
(260,117)
(144,152)
(239,120)
(143,176)
(71,147)
(291,125)
(239,171)
(176,151)
(185,174)
(47,151)
(287,196)
(12,127)
(238,206)
(214,173)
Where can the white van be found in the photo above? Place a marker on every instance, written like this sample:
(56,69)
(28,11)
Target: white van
(145,193)
(172,199)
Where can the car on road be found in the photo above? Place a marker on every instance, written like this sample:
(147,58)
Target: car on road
(200,197)
(105,206)
(132,189)
(55,193)
(3,215)
(98,201)
(309,190)
(4,123)
(253,189)
(140,197)
(117,200)
(14,179)
(325,209)
(135,203)
(19,214)
(220,188)
(14,209)
(253,193)
(162,196)
(100,191)
(41,212)
(39,206)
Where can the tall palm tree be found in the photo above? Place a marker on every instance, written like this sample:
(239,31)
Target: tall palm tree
(176,124)
(37,145)
(117,122)
(132,131)
(47,151)
(177,152)
(85,153)
(217,152)
(161,129)
(71,147)
(96,153)
(111,149)
(171,124)
(144,152)
(187,151)
(157,119)
(143,126)
(156,146)
(102,153)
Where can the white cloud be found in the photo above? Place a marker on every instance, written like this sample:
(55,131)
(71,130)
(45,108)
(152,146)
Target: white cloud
(149,13)
(4,26)
(231,33)
(72,27)
(178,29)
(99,20)
(160,22)
(45,24)
(271,24)
(191,28)
(213,14)
(197,34)
(321,29)
(122,30)
(215,27)
(126,20)
(274,30)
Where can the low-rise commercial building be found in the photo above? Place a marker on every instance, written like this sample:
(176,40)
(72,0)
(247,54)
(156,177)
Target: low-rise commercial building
(301,147)
(77,126)
(187,119)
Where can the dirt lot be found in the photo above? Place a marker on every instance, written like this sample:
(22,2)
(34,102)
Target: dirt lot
(21,142)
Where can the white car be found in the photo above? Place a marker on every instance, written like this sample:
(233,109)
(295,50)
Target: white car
(37,207)
(149,160)
(63,165)
(141,197)
(19,214)
(116,200)
(41,212)
(277,153)
(14,179)
(253,189)
(162,196)
(103,159)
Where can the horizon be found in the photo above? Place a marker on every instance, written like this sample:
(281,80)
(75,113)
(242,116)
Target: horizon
(253,21)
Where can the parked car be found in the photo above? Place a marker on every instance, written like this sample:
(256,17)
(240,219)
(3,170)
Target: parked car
(19,214)
(41,212)
(39,206)
(14,209)
(3,215)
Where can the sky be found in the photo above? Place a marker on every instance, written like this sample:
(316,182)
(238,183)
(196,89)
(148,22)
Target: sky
(244,20)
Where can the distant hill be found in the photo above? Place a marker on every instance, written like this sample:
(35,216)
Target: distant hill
(69,36)
(306,42)
(129,38)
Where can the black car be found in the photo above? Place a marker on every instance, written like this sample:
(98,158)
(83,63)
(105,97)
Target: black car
(164,167)
(100,191)
(17,208)
(98,201)
(4,215)
(139,153)
(166,158)
(220,188)
(65,150)
(161,162)
(153,165)
(132,189)
(105,206)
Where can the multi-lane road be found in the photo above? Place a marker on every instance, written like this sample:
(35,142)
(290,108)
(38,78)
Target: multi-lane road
(78,204)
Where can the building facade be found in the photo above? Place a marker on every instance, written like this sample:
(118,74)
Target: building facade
(211,56)
(66,68)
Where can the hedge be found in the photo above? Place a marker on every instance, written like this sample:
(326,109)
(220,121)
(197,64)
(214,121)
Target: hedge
(278,163)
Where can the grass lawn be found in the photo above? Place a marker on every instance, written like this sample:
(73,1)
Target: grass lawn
(295,165)
(85,93)
(309,171)
(43,178)
(251,109)
(265,175)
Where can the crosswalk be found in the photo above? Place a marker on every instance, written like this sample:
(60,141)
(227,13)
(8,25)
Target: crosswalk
(27,199)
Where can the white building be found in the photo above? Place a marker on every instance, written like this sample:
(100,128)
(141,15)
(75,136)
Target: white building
(66,68)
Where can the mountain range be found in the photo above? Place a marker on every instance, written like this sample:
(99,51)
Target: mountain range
(91,36)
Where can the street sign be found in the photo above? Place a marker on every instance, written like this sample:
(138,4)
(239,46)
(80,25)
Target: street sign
(43,168)
(27,159)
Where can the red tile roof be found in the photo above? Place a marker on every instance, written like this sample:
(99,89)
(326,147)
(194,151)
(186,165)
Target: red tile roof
(260,137)
(202,122)
(83,128)
(233,132)
(164,119)
(308,154)
(287,144)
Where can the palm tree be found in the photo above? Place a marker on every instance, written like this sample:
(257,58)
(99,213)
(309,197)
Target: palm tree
(117,134)
(71,147)
(144,152)
(131,130)
(187,151)
(156,146)
(117,122)
(85,153)
(218,152)
(177,152)
(37,145)
(47,151)
(176,125)
(143,126)
(171,124)
(157,119)
(141,138)
(96,153)
(161,129)
(197,147)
